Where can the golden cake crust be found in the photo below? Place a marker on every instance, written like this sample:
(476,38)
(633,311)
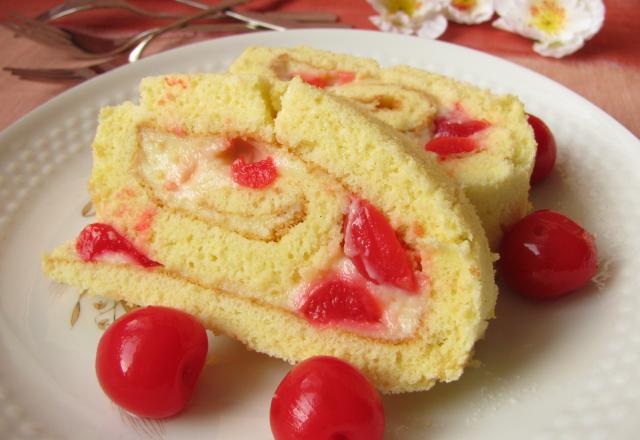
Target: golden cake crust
(496,180)
(240,284)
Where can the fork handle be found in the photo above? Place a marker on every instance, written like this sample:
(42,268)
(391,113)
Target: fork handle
(70,7)
(214,10)
(316,17)
(136,53)
(293,15)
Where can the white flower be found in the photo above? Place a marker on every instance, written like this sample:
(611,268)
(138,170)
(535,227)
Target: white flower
(423,18)
(560,27)
(470,11)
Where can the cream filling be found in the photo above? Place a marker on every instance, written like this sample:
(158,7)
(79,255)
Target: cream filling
(401,311)
(188,168)
(185,171)
(116,258)
(286,68)
(191,168)
(194,174)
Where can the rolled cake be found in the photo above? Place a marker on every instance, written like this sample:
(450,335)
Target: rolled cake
(310,229)
(482,140)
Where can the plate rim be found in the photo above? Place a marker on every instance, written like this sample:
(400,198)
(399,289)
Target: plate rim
(58,101)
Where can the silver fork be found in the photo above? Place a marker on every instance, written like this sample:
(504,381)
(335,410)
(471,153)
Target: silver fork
(87,72)
(277,21)
(62,75)
(69,7)
(91,46)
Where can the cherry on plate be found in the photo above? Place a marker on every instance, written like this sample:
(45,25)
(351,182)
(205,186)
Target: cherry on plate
(546,255)
(545,151)
(149,360)
(325,398)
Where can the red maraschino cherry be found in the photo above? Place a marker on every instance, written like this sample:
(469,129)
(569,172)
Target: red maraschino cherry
(546,255)
(449,146)
(545,151)
(98,239)
(340,300)
(452,137)
(149,360)
(373,246)
(325,398)
(254,175)
(446,127)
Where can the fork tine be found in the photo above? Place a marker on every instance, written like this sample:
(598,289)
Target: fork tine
(56,12)
(42,28)
(83,44)
(56,74)
(29,31)
(34,24)
(49,73)
(36,75)
(94,46)
(48,39)
(35,36)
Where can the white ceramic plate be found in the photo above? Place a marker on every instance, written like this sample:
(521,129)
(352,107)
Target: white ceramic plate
(566,369)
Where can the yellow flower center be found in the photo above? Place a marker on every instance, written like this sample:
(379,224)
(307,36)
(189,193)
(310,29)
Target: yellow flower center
(406,6)
(548,16)
(464,5)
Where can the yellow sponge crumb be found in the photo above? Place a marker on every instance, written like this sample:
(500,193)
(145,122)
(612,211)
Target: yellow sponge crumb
(238,258)
(495,178)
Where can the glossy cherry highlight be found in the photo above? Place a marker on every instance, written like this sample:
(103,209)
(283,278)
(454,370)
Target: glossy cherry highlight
(546,255)
(325,398)
(149,360)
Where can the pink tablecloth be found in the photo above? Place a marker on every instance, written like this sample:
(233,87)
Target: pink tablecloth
(606,71)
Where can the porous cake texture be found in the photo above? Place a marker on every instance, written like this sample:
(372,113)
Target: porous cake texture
(238,257)
(495,177)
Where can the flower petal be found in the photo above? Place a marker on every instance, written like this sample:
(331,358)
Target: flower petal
(380,6)
(560,27)
(398,23)
(411,17)
(416,9)
(432,27)
(470,11)
(430,8)
(511,24)
(558,50)
(590,17)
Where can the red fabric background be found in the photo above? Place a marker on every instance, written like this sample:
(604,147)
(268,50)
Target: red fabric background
(606,71)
